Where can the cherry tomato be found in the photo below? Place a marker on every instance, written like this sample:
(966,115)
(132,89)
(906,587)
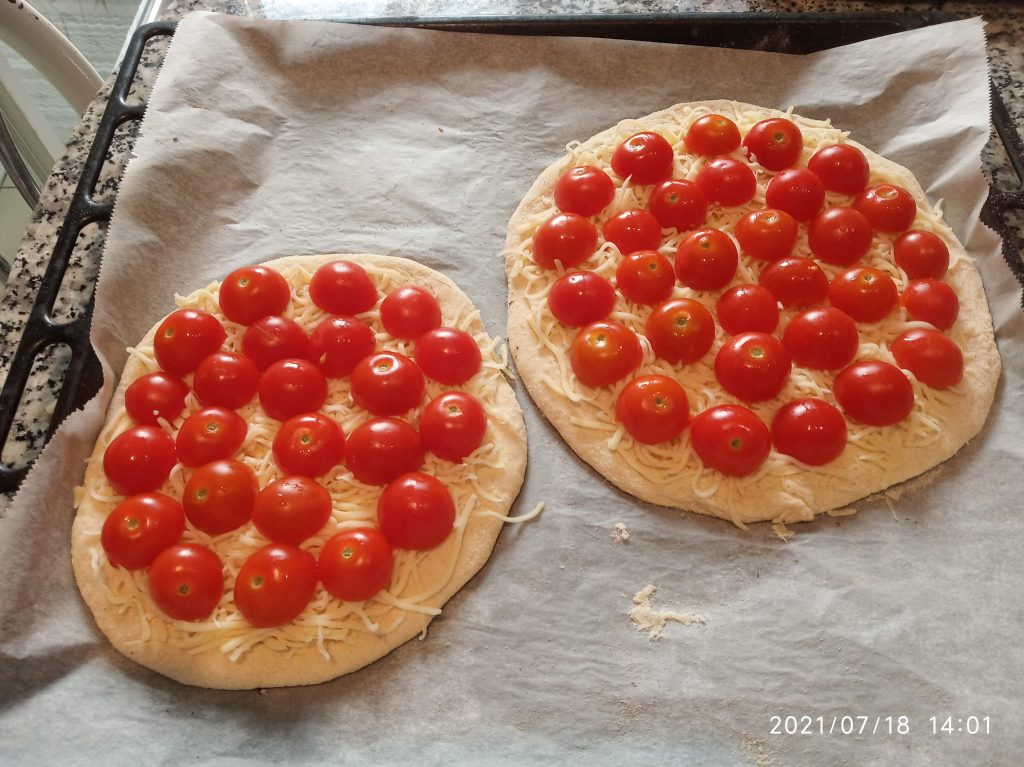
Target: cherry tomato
(292,509)
(186,581)
(933,358)
(839,236)
(579,298)
(584,190)
(775,143)
(387,383)
(811,430)
(309,445)
(866,294)
(408,312)
(604,352)
(821,339)
(645,277)
(416,511)
(841,167)
(342,287)
(795,281)
(448,356)
(644,157)
(184,338)
(680,331)
(141,527)
(767,234)
(798,192)
(746,308)
(453,425)
(275,584)
(155,396)
(633,230)
(727,181)
(874,393)
(678,205)
(290,387)
(139,460)
(712,135)
(252,292)
(274,338)
(706,260)
(383,449)
(210,434)
(356,563)
(565,238)
(338,343)
(219,497)
(931,300)
(921,254)
(654,409)
(888,207)
(730,439)
(753,366)
(226,379)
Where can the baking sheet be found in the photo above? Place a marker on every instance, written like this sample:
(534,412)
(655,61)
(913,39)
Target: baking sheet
(272,138)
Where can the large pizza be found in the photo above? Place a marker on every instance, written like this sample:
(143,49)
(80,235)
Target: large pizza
(745,313)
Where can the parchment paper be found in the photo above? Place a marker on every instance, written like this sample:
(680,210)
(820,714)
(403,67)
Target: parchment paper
(265,139)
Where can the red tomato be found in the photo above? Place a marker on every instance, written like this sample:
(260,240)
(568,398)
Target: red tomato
(712,135)
(387,383)
(309,445)
(274,338)
(184,338)
(275,584)
(680,331)
(746,308)
(584,190)
(356,563)
(644,157)
(821,339)
(579,298)
(337,344)
(154,396)
(253,292)
(141,527)
(139,460)
(727,181)
(753,366)
(210,434)
(775,143)
(795,281)
(706,260)
(798,192)
(811,430)
(453,425)
(654,409)
(921,254)
(933,358)
(342,287)
(186,581)
(565,238)
(448,356)
(383,449)
(416,511)
(874,393)
(604,352)
(839,236)
(767,234)
(226,379)
(219,497)
(888,207)
(841,168)
(291,387)
(678,205)
(866,294)
(730,439)
(292,509)
(409,312)
(645,277)
(633,230)
(931,300)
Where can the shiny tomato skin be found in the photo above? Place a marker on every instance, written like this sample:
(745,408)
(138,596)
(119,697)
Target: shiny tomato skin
(747,308)
(383,449)
(921,254)
(866,294)
(408,312)
(706,260)
(633,230)
(654,409)
(767,234)
(727,181)
(292,509)
(774,143)
(821,339)
(933,358)
(644,157)
(186,581)
(387,383)
(356,563)
(579,298)
(291,387)
(338,343)
(931,300)
(565,238)
(448,355)
(840,236)
(753,367)
(712,135)
(210,434)
(141,527)
(252,292)
(810,430)
(416,511)
(679,205)
(873,392)
(275,584)
(310,444)
(274,338)
(795,281)
(226,379)
(841,167)
(453,425)
(645,277)
(139,460)
(219,496)
(680,331)
(730,439)
(584,190)
(604,352)
(155,396)
(888,207)
(342,287)
(798,192)
(184,338)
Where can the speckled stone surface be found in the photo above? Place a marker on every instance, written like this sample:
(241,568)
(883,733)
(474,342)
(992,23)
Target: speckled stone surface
(1005,31)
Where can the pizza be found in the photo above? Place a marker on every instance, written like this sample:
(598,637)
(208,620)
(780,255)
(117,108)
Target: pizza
(300,466)
(744,313)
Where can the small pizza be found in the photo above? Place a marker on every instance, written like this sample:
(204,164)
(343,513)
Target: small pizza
(300,466)
(742,312)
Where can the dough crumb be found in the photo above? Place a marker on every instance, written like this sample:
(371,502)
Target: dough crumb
(758,749)
(782,532)
(620,534)
(646,618)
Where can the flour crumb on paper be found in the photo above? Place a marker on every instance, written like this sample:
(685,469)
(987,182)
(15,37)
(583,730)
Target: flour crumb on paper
(646,618)
(620,534)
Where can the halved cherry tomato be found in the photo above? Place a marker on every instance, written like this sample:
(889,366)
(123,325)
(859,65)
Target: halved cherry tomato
(579,298)
(290,387)
(219,497)
(730,439)
(141,527)
(933,358)
(275,584)
(448,355)
(712,135)
(408,312)
(874,393)
(680,331)
(252,292)
(338,343)
(921,254)
(678,205)
(839,236)
(184,338)
(210,434)
(186,581)
(633,230)
(416,511)
(746,308)
(309,445)
(866,294)
(565,238)
(604,352)
(342,287)
(383,449)
(644,157)
(767,234)
(774,143)
(795,281)
(139,460)
(292,509)
(453,425)
(727,181)
(811,430)
(387,383)
(645,277)
(706,260)
(753,366)
(226,379)
(356,563)
(653,409)
(821,339)
(888,207)
(584,190)
(155,396)
(274,338)
(798,192)
(841,168)
(931,300)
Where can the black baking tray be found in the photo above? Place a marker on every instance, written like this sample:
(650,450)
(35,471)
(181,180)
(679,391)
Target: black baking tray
(776,32)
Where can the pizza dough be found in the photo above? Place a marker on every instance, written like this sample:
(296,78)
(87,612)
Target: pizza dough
(329,638)
(670,474)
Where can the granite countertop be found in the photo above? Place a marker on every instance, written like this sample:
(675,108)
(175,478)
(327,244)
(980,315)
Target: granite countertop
(1005,31)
